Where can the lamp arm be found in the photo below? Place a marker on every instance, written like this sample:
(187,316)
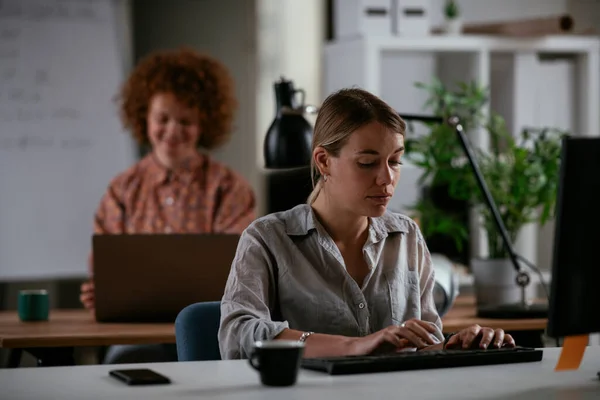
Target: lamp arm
(523,278)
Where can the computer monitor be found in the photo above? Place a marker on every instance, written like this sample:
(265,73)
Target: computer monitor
(574,307)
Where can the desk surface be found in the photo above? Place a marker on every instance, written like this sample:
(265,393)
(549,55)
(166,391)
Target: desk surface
(237,380)
(78,328)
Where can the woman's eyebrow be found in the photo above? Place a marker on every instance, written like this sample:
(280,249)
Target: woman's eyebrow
(376,153)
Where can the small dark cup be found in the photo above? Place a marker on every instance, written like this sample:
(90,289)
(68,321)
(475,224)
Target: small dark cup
(33,305)
(277,361)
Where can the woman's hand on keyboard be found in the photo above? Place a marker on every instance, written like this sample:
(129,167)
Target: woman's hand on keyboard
(412,333)
(476,336)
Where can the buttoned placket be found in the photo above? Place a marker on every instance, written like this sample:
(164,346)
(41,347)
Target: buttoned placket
(359,301)
(370,253)
(168,200)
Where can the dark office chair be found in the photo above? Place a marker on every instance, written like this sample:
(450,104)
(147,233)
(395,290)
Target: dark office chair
(196,330)
(286,188)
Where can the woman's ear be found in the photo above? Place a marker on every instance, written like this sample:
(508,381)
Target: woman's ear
(321,158)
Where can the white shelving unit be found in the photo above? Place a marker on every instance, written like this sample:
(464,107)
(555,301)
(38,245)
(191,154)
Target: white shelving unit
(510,67)
(361,62)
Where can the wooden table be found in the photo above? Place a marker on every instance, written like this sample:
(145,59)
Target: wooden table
(51,342)
(464,313)
(74,328)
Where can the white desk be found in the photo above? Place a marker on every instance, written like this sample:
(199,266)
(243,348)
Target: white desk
(236,380)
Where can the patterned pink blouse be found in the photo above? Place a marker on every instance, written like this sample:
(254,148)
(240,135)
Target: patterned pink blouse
(203,196)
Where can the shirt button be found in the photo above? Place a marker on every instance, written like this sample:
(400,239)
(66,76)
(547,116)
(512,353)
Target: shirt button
(361,305)
(169,201)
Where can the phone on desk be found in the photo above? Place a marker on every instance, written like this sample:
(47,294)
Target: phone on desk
(142,376)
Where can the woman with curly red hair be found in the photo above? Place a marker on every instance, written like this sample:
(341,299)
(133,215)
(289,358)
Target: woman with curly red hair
(177,102)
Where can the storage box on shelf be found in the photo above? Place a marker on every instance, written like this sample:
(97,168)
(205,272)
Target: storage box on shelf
(368,18)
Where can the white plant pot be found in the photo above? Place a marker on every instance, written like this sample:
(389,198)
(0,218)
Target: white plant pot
(453,26)
(495,283)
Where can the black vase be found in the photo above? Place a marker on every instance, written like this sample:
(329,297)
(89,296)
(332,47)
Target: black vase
(288,140)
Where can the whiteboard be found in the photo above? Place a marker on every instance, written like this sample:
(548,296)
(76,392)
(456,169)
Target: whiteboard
(61,141)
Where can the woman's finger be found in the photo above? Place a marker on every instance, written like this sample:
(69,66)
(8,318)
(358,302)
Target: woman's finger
(453,342)
(87,287)
(87,299)
(394,340)
(498,338)
(467,336)
(509,341)
(431,328)
(416,340)
(420,331)
(486,336)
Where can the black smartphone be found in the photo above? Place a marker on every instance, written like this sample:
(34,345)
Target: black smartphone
(142,376)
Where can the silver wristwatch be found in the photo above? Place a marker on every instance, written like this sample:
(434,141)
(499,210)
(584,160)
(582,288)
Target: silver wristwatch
(304,336)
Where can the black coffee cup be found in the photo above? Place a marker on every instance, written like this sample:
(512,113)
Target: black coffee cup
(277,361)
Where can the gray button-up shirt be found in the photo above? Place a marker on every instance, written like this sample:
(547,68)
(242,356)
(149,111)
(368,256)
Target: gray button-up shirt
(288,273)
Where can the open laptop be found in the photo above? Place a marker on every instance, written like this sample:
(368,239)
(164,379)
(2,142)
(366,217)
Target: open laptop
(151,277)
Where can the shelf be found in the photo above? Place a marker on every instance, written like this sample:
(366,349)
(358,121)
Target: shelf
(473,43)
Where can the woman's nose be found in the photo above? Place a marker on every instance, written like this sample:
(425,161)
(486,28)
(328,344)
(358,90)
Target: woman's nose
(173,129)
(385,176)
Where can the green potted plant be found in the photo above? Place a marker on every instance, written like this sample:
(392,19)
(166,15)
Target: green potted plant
(521,173)
(453,23)
(444,218)
(522,176)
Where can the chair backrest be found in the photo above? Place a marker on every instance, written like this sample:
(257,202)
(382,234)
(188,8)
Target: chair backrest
(196,332)
(286,188)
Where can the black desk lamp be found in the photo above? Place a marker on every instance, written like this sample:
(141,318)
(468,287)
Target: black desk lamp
(511,311)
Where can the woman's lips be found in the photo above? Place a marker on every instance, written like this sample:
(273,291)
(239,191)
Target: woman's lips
(380,199)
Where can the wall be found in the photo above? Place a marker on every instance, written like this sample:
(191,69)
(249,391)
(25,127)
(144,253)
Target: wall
(224,29)
(586,13)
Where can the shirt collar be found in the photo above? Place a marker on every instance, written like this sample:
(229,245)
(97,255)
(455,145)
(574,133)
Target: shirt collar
(381,227)
(301,219)
(185,173)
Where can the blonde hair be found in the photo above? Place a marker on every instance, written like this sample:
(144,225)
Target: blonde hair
(341,114)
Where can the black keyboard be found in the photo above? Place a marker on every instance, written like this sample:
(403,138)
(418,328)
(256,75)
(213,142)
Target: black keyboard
(421,360)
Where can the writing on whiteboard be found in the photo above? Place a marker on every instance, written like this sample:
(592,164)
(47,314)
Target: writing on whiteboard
(57,10)
(31,114)
(60,134)
(31,142)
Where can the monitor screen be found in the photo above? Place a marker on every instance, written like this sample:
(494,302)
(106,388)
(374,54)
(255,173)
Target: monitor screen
(575,289)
